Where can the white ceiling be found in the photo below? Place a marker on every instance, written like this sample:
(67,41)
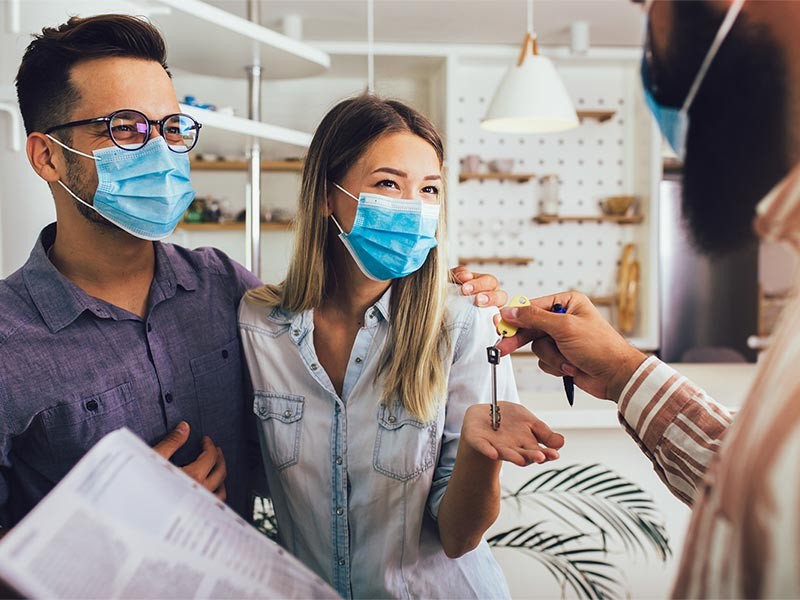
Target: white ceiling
(611,22)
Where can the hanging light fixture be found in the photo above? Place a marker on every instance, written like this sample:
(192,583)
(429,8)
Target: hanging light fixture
(531,97)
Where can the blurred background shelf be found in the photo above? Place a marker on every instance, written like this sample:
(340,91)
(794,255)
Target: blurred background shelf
(228,134)
(496,260)
(277,166)
(208,40)
(519,177)
(205,227)
(601,116)
(620,220)
(603,300)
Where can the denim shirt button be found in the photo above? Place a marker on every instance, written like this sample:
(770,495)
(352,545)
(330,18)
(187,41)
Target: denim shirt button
(358,360)
(339,460)
(340,511)
(287,413)
(314,366)
(295,332)
(91,405)
(392,419)
(342,562)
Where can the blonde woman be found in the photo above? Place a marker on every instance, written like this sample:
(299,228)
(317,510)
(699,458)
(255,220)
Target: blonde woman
(369,372)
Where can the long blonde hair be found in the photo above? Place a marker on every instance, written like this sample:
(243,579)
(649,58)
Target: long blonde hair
(413,360)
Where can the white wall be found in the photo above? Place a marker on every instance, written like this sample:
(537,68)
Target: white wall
(26,205)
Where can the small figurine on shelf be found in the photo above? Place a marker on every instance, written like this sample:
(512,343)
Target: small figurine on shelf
(196,211)
(214,211)
(549,185)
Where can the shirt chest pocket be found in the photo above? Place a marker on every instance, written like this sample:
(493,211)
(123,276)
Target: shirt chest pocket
(280,419)
(71,429)
(405,447)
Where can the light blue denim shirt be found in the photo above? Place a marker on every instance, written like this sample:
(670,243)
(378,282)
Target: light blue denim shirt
(357,485)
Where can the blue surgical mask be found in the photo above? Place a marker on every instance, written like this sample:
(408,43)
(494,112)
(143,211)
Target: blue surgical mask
(674,122)
(144,192)
(390,237)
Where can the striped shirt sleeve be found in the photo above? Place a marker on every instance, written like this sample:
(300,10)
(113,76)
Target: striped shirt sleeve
(675,423)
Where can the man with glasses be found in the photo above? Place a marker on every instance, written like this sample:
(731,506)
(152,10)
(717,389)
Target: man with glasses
(733,68)
(104,326)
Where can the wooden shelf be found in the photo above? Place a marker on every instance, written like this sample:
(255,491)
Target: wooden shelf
(269,166)
(603,300)
(620,220)
(672,165)
(601,116)
(518,177)
(497,260)
(266,226)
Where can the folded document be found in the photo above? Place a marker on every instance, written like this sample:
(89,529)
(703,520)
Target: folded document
(125,523)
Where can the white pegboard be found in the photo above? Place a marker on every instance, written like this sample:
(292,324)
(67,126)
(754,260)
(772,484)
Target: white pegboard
(495,218)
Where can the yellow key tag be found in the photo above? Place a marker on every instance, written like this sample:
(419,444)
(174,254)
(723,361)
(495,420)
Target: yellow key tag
(504,328)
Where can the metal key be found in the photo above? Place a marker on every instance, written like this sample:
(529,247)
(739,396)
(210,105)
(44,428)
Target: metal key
(494,359)
(505,330)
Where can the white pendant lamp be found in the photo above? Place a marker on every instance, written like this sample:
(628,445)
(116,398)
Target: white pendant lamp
(531,97)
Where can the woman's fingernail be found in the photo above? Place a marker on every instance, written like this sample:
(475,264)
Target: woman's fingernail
(483,299)
(569,369)
(467,287)
(512,313)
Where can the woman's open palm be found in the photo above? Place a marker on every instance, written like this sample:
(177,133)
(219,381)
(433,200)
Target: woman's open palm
(522,438)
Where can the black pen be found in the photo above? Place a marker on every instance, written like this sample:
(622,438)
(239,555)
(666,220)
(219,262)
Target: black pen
(569,382)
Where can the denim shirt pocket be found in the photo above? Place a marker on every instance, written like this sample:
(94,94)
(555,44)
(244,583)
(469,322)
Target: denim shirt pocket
(405,447)
(280,418)
(72,428)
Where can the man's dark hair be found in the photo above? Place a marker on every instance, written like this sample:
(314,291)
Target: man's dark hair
(45,93)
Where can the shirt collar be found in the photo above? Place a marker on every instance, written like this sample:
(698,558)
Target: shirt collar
(303,322)
(59,301)
(173,270)
(383,306)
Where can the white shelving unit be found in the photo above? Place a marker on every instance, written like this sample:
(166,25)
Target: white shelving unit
(191,25)
(241,48)
(221,132)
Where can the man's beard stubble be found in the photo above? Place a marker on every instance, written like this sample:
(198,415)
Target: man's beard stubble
(80,181)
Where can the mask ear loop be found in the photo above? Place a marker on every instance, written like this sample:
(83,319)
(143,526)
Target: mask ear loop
(332,216)
(62,184)
(722,33)
(70,149)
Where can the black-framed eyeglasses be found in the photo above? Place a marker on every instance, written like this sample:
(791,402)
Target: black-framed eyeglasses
(130,129)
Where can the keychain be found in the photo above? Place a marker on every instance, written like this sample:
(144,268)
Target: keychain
(505,330)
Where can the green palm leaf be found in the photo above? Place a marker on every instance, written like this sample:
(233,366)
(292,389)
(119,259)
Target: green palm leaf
(593,496)
(572,563)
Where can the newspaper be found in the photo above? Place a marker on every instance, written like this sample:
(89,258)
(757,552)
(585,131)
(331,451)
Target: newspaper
(125,523)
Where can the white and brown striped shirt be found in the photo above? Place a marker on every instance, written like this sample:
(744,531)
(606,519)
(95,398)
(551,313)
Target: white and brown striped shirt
(741,476)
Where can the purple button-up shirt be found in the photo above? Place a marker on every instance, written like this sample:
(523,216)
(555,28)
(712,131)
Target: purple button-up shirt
(73,368)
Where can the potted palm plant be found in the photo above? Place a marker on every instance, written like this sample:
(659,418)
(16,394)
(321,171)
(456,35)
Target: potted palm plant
(585,511)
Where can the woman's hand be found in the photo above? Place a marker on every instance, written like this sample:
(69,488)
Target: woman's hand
(521,439)
(483,287)
(472,500)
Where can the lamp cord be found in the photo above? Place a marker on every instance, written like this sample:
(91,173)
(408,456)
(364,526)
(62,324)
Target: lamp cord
(371,46)
(530,16)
